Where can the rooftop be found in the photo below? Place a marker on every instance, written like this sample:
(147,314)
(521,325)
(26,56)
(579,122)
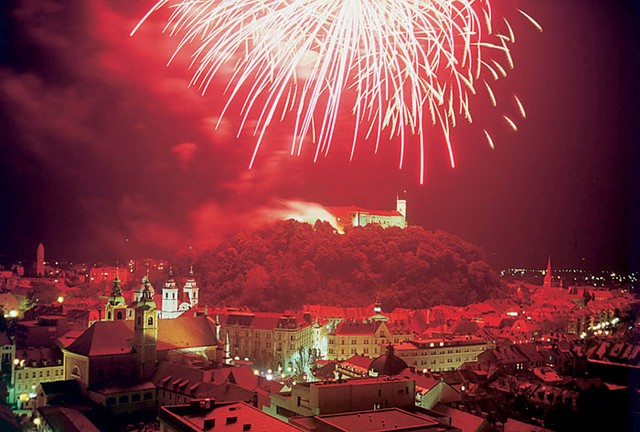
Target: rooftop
(203,415)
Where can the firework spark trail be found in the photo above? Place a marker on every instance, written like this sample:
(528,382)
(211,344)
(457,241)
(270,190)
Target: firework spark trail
(400,63)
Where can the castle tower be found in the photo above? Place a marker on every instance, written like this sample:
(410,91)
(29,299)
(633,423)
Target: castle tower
(145,333)
(116,306)
(191,289)
(377,308)
(170,297)
(401,206)
(40,260)
(548,276)
(377,311)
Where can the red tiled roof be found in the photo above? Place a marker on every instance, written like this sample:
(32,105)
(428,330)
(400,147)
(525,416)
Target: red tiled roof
(116,337)
(350,328)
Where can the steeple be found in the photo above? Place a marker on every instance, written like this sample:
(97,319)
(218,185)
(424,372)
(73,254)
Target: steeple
(147,294)
(191,289)
(170,297)
(145,332)
(548,276)
(116,304)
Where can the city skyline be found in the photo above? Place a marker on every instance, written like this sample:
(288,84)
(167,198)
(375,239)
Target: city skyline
(108,152)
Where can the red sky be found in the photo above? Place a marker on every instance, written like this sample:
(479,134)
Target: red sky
(106,153)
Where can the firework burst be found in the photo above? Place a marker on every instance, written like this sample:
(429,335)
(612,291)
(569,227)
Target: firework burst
(400,66)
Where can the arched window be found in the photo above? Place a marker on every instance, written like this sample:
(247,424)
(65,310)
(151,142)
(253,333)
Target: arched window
(150,321)
(75,372)
(119,315)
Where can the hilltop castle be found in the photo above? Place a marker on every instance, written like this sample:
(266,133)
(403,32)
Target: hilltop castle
(353,216)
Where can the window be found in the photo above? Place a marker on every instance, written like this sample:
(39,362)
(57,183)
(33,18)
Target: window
(150,321)
(148,396)
(111,401)
(19,375)
(354,342)
(33,375)
(75,372)
(124,399)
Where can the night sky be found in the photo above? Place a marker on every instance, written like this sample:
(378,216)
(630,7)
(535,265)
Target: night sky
(107,154)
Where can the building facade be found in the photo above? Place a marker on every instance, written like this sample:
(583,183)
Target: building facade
(434,355)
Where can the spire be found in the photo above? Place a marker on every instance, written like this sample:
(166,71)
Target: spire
(170,283)
(147,293)
(548,275)
(191,288)
(116,296)
(117,288)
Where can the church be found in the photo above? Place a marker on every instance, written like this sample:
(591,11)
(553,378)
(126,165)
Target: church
(114,360)
(171,304)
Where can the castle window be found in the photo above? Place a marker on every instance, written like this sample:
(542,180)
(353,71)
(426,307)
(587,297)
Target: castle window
(150,321)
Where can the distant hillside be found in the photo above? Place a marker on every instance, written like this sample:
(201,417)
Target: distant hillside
(289,263)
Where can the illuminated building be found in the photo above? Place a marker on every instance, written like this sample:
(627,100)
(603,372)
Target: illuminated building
(282,343)
(32,367)
(365,337)
(170,298)
(353,216)
(113,361)
(190,289)
(441,354)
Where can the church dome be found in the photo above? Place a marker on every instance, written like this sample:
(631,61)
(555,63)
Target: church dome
(387,364)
